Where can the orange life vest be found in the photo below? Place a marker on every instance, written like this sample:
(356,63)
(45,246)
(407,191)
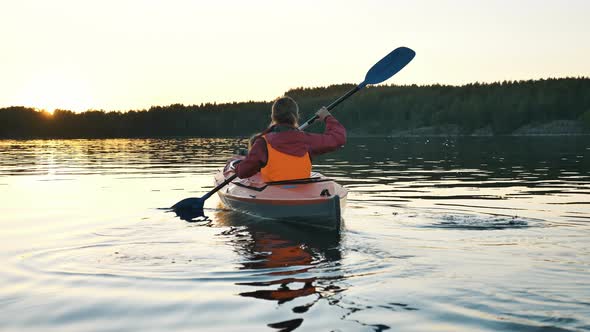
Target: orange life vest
(281,166)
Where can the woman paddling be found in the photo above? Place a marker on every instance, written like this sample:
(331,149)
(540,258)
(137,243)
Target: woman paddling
(282,151)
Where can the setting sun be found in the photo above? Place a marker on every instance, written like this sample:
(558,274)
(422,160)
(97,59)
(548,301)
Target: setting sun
(52,91)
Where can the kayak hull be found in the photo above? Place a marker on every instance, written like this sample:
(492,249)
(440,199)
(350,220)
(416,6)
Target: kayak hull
(326,213)
(316,201)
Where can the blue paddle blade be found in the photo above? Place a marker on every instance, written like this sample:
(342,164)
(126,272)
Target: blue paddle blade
(389,65)
(189,208)
(189,203)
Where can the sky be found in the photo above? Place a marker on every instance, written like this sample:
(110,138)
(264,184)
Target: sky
(132,54)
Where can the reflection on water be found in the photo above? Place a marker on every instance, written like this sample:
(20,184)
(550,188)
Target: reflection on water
(486,234)
(286,260)
(113,156)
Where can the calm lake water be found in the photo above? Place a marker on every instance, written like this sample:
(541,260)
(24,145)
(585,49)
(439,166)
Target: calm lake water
(466,234)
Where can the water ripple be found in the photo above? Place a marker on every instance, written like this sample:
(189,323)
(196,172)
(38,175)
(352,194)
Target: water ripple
(456,234)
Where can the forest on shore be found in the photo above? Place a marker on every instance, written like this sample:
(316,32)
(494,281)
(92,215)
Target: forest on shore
(495,109)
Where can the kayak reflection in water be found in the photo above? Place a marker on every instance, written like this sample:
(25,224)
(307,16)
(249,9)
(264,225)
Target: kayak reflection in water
(282,151)
(271,251)
(291,257)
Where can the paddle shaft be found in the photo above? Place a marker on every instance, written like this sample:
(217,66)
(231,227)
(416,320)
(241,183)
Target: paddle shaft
(381,71)
(221,185)
(332,105)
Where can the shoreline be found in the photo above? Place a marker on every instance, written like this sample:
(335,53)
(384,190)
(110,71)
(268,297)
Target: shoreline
(557,128)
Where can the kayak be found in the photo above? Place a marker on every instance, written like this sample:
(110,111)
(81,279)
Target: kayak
(317,200)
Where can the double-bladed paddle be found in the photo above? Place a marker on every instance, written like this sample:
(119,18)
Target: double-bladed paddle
(381,71)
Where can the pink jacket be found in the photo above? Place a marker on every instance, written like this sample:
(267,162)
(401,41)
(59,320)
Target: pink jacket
(293,142)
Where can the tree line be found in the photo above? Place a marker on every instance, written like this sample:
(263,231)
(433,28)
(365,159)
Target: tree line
(500,107)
